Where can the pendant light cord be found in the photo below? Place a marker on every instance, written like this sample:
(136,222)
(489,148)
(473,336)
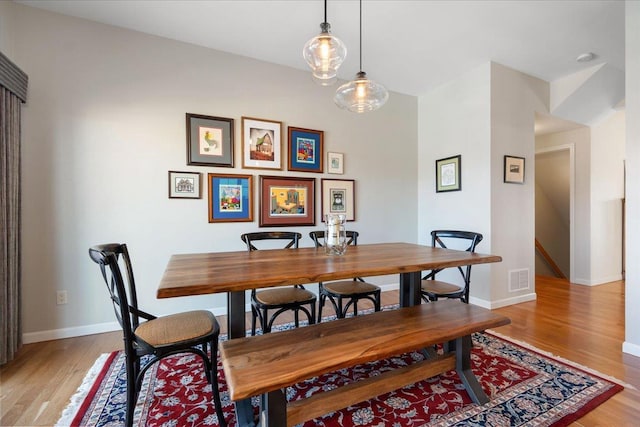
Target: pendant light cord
(325,11)
(360,35)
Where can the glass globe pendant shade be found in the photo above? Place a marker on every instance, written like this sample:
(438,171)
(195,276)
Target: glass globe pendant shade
(361,95)
(324,53)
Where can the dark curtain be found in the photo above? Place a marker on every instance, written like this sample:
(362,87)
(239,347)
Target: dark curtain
(13,91)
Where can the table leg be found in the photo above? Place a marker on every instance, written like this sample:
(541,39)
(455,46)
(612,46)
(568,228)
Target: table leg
(410,289)
(236,327)
(463,367)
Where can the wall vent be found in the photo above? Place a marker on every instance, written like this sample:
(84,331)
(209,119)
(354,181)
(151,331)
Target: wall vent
(518,280)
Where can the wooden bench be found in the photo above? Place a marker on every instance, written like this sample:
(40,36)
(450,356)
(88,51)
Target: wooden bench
(265,365)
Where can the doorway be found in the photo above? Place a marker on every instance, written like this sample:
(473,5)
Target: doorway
(555,195)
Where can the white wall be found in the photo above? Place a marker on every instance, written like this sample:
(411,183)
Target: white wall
(105,121)
(632,151)
(607,191)
(483,115)
(455,119)
(580,139)
(6,29)
(515,98)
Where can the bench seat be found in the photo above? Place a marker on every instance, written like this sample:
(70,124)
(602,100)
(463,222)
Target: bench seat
(264,365)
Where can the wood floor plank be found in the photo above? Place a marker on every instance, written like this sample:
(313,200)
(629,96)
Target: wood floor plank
(584,324)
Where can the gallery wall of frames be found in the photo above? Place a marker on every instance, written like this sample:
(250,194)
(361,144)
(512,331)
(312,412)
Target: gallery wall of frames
(282,200)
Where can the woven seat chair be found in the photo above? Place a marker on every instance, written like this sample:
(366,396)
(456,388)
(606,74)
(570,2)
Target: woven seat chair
(188,332)
(291,298)
(352,290)
(432,289)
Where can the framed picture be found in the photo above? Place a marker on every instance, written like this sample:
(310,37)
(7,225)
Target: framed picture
(448,174)
(261,144)
(338,198)
(286,200)
(209,141)
(305,150)
(335,163)
(514,169)
(230,198)
(184,185)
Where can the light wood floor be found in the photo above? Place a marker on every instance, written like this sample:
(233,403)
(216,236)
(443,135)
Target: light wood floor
(580,323)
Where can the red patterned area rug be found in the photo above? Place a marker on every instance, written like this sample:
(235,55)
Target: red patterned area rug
(526,387)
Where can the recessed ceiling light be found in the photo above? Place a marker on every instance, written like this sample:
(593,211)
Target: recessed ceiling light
(585,57)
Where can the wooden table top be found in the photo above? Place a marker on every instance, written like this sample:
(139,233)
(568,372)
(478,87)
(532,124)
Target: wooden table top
(217,272)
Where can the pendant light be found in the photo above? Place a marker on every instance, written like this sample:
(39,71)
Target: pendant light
(362,94)
(324,53)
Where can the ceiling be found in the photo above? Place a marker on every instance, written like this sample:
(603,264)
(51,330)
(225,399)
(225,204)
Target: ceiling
(408,46)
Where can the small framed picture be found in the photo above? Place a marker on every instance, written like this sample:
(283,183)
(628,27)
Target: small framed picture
(185,185)
(448,174)
(338,197)
(335,163)
(209,141)
(514,169)
(261,144)
(286,200)
(230,198)
(305,150)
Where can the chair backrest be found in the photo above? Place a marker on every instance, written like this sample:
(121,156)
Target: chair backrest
(110,257)
(447,238)
(290,238)
(318,238)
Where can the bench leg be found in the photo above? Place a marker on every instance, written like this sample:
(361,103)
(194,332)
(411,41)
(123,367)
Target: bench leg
(273,409)
(463,367)
(244,413)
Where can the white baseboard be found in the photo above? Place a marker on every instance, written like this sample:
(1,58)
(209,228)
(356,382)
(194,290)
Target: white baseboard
(96,328)
(502,303)
(598,281)
(632,349)
(77,331)
(99,328)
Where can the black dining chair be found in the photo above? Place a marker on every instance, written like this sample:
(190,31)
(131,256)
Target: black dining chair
(352,290)
(194,332)
(282,299)
(431,288)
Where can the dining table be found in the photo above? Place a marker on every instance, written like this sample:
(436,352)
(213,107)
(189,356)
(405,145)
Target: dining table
(233,273)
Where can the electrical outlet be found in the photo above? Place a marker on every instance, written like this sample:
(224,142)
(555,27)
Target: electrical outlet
(61,297)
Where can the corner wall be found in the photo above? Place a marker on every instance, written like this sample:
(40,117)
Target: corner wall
(105,122)
(515,98)
(483,115)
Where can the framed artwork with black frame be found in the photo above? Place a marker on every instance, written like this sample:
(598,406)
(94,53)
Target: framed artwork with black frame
(448,174)
(305,149)
(209,141)
(286,201)
(514,169)
(230,197)
(338,197)
(185,185)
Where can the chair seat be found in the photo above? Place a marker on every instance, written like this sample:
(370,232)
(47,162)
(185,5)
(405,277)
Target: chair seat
(440,288)
(350,287)
(175,328)
(281,296)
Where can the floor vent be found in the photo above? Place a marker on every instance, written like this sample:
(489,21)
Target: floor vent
(518,280)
